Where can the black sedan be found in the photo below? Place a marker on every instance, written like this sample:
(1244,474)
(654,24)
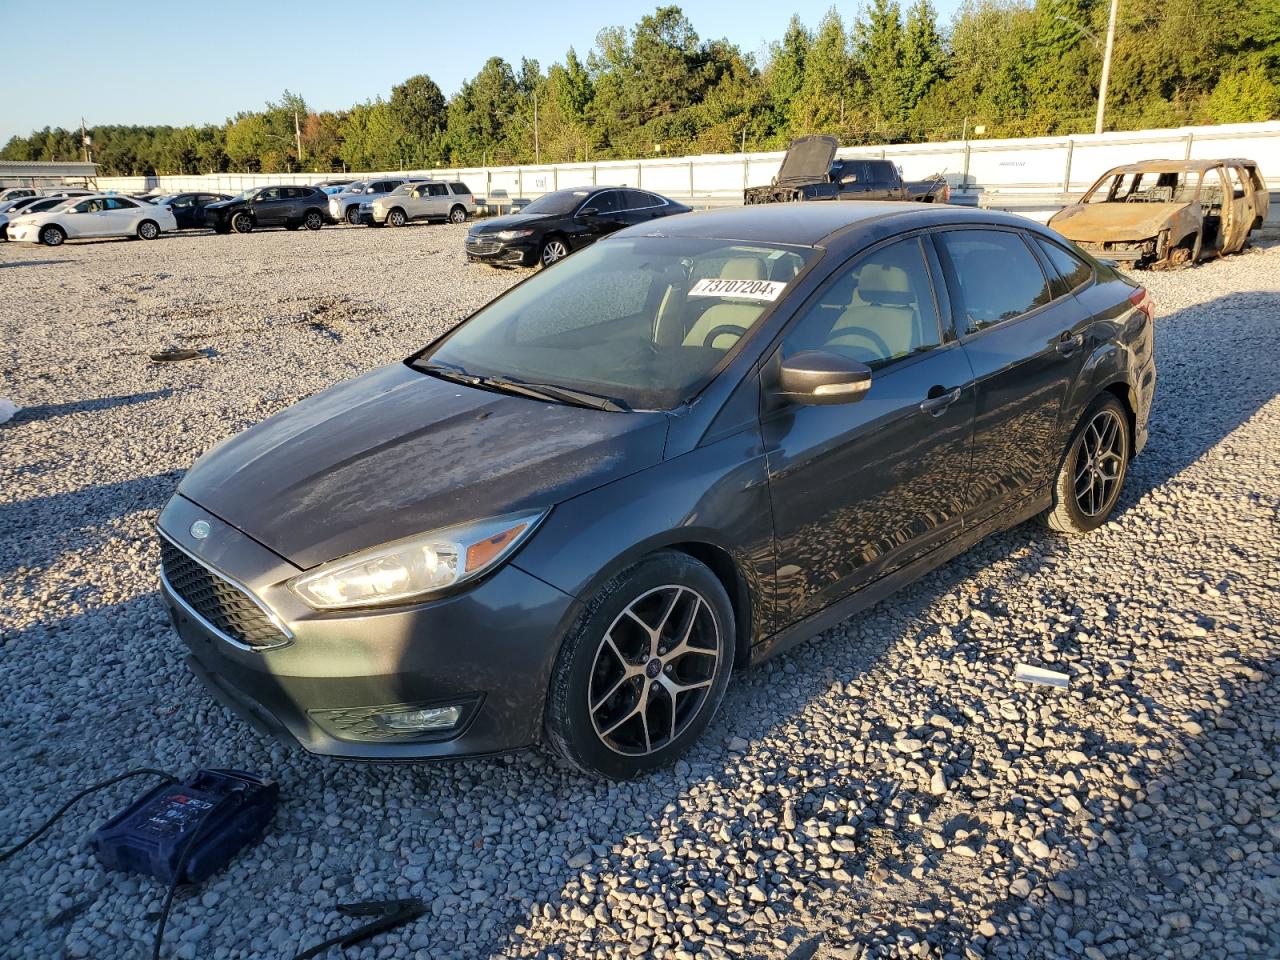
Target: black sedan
(556,224)
(287,206)
(188,208)
(680,452)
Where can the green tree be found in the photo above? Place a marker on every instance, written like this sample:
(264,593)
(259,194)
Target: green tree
(784,77)
(826,96)
(1244,96)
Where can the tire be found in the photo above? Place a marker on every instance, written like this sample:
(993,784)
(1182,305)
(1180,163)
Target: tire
(458,214)
(242,223)
(609,660)
(396,218)
(53,235)
(553,249)
(1079,509)
(353,215)
(148,230)
(312,220)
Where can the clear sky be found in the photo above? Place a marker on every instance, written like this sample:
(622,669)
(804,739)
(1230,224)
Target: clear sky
(185,62)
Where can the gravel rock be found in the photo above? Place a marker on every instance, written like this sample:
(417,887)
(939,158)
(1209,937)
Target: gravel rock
(1153,782)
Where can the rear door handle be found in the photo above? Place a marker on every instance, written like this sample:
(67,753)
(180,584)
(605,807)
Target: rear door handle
(1067,345)
(935,406)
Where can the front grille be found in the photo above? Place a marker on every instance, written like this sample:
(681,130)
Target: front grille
(481,245)
(222,604)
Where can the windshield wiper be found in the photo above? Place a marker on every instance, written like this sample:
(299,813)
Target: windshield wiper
(538,391)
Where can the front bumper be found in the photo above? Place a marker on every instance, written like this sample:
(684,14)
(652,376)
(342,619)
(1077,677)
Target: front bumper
(487,248)
(488,649)
(23,233)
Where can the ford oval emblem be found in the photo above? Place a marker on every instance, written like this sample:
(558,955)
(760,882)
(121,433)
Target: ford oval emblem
(200,529)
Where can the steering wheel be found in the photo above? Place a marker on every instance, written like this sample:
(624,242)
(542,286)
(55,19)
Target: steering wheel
(876,340)
(725,328)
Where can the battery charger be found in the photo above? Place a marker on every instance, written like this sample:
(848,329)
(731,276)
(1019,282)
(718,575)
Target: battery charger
(184,831)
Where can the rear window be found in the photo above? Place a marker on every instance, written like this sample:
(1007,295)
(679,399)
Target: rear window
(993,276)
(1072,271)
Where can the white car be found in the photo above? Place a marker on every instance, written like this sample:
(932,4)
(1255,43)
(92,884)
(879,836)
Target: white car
(98,215)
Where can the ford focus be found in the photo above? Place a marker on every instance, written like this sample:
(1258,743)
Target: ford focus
(673,454)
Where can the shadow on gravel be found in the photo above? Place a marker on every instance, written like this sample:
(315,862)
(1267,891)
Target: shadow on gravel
(50,410)
(1193,412)
(40,529)
(33,263)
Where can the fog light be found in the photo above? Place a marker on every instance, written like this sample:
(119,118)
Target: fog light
(421,721)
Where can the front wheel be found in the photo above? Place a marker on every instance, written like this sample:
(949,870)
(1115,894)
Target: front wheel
(353,215)
(553,250)
(313,220)
(458,214)
(643,670)
(52,236)
(242,223)
(396,218)
(1093,471)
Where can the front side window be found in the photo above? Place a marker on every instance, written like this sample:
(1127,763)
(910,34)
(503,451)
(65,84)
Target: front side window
(993,276)
(88,206)
(642,320)
(271,193)
(878,310)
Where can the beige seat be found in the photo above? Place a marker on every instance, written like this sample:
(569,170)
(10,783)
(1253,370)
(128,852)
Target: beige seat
(883,316)
(738,317)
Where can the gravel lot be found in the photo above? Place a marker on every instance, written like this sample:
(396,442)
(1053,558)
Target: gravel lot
(887,789)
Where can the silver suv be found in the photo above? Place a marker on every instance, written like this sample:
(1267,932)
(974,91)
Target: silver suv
(423,200)
(346,205)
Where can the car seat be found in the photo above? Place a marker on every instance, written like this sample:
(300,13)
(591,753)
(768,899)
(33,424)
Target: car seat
(721,324)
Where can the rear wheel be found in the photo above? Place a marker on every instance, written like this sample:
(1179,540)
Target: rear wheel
(1093,471)
(396,218)
(148,230)
(52,236)
(643,670)
(458,214)
(242,223)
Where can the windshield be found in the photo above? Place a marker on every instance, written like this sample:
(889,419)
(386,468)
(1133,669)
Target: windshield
(403,189)
(357,187)
(644,321)
(557,204)
(1148,187)
(245,194)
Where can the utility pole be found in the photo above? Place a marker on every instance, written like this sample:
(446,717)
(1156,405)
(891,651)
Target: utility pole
(1106,67)
(85,141)
(297,137)
(537,150)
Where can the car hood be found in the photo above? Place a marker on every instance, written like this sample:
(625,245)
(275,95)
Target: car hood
(508,222)
(808,158)
(397,452)
(223,204)
(1114,221)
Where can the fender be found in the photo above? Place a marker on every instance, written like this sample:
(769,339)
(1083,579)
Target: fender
(696,498)
(1111,362)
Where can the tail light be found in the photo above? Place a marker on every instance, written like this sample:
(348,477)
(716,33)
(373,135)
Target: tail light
(1141,299)
(946,193)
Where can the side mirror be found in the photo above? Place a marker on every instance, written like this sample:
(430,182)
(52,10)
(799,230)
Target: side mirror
(588,212)
(817,377)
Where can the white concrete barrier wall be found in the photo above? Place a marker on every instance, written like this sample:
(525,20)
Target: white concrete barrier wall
(992,172)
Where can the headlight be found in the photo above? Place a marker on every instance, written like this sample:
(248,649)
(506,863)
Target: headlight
(513,234)
(415,567)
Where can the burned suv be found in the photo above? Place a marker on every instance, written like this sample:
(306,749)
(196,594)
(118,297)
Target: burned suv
(1166,213)
(810,172)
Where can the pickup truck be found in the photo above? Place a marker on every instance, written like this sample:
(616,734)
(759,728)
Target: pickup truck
(810,172)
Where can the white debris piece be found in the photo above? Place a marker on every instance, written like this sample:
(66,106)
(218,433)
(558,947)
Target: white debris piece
(7,409)
(1049,678)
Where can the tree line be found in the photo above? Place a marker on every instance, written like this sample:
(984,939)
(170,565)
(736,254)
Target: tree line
(887,74)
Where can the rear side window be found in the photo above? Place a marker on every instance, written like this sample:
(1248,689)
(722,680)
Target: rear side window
(993,276)
(881,171)
(1071,269)
(459,188)
(437,190)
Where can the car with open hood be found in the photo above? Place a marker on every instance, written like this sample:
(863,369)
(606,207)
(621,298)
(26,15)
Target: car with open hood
(810,171)
(678,452)
(1168,213)
(558,223)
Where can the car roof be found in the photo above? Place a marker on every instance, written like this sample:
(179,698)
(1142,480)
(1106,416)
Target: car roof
(811,224)
(1176,166)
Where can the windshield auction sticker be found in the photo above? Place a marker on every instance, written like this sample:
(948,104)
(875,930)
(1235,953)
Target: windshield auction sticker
(746,289)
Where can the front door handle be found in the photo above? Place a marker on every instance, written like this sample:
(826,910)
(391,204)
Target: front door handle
(936,405)
(1067,344)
